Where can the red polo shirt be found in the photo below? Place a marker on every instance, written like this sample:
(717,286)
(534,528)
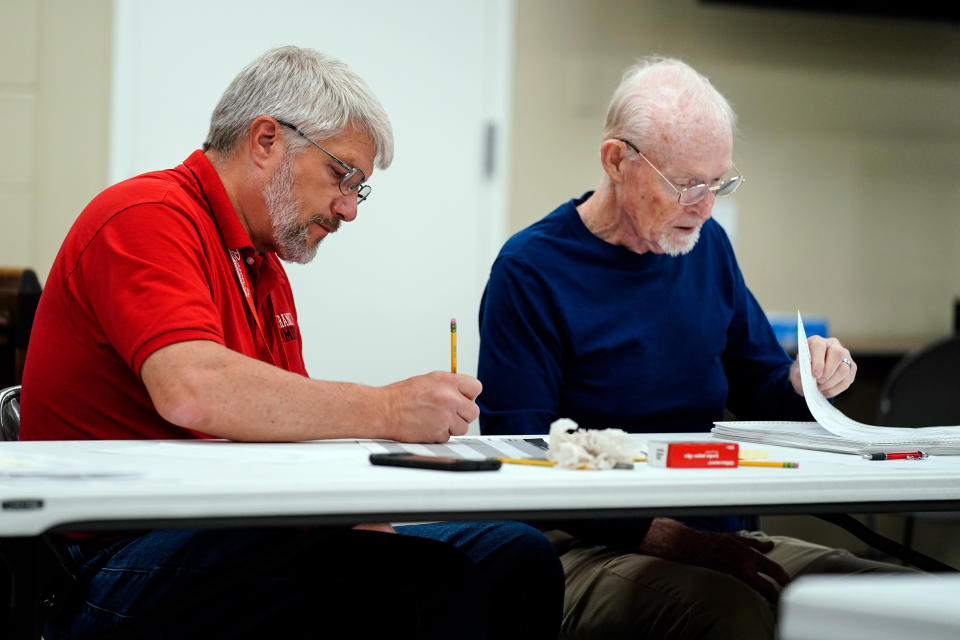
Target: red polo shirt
(145,265)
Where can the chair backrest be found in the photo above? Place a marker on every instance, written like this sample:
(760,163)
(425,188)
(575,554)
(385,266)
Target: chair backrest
(19,297)
(924,388)
(10,413)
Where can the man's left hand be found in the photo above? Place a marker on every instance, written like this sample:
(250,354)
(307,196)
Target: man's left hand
(831,364)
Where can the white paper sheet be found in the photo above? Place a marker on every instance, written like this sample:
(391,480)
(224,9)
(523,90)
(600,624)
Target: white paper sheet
(831,419)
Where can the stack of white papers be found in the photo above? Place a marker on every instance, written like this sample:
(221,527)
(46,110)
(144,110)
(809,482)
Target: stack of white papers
(834,431)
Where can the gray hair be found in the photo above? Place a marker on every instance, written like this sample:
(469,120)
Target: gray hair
(317,93)
(660,97)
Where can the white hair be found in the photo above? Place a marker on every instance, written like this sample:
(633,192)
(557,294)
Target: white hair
(315,92)
(662,99)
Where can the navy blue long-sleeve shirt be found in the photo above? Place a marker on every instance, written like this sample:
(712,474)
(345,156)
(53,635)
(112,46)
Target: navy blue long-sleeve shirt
(572,326)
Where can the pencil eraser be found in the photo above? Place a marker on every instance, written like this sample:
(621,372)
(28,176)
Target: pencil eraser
(724,455)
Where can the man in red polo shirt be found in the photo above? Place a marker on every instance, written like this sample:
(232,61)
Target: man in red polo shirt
(167,314)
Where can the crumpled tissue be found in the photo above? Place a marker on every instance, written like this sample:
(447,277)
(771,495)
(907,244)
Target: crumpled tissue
(590,448)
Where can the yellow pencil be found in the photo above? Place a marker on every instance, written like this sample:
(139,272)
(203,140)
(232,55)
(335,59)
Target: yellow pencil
(767,463)
(453,345)
(539,463)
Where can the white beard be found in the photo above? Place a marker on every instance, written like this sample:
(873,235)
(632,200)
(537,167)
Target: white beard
(677,246)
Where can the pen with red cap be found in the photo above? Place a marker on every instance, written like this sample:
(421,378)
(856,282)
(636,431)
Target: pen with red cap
(896,455)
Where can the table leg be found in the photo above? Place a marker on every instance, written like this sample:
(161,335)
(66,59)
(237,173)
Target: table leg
(22,557)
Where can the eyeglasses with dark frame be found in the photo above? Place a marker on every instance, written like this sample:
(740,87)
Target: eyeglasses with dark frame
(353,181)
(695,193)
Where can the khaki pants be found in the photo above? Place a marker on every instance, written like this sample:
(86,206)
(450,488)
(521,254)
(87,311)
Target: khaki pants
(611,594)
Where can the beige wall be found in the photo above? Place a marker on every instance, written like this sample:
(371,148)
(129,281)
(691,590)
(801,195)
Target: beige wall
(849,138)
(54,99)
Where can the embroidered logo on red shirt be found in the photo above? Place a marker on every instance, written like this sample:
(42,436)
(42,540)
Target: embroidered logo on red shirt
(288,326)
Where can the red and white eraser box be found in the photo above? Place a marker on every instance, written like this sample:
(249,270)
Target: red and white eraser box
(693,454)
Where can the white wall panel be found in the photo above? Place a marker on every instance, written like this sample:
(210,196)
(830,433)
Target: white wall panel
(375,304)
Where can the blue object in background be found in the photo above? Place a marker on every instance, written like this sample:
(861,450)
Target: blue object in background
(785,328)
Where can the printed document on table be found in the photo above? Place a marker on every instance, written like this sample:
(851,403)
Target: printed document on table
(833,431)
(471,448)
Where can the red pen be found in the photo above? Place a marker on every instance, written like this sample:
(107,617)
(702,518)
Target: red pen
(900,455)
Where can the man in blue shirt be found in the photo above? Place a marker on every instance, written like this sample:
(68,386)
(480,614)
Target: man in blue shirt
(626,308)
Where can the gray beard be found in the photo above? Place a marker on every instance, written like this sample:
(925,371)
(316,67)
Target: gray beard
(292,239)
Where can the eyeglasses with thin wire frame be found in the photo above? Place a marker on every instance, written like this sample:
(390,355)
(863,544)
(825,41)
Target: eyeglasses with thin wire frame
(353,181)
(697,192)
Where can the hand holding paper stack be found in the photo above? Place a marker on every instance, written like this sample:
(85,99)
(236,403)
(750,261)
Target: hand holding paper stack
(833,431)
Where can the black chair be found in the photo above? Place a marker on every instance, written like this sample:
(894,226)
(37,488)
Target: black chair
(31,569)
(10,413)
(923,390)
(19,296)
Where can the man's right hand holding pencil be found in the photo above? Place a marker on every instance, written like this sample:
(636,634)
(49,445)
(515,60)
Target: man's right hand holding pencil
(432,407)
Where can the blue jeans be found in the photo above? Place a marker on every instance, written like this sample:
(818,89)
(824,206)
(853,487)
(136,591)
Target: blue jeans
(308,583)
